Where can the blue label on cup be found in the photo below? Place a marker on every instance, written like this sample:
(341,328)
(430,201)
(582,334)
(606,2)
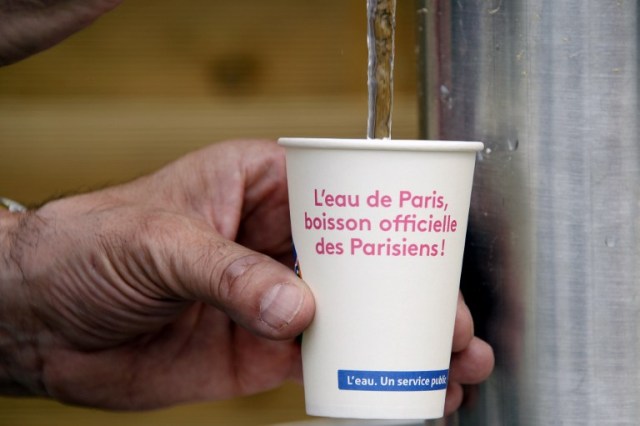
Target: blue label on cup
(393,381)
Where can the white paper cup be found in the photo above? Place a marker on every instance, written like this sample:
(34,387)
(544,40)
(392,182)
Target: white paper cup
(379,229)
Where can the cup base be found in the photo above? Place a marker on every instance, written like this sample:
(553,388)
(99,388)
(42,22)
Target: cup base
(375,412)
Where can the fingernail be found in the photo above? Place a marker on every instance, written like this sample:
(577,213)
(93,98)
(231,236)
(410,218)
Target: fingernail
(280,305)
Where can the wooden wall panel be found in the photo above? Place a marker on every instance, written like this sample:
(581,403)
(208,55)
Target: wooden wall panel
(213,48)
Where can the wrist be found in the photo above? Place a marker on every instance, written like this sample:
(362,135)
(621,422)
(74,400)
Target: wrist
(19,360)
(10,270)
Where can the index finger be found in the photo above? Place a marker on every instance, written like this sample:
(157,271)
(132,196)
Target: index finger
(463,330)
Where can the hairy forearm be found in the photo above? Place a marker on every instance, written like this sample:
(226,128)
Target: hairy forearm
(20,363)
(29,26)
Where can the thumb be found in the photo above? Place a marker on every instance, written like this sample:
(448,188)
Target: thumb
(256,291)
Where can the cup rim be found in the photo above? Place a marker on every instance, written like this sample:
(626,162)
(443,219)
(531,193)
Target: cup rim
(381,144)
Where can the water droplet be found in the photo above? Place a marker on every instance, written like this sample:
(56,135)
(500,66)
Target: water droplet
(513,144)
(610,241)
(488,151)
(445,96)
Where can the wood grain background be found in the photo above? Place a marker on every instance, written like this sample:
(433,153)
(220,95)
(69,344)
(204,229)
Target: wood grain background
(155,79)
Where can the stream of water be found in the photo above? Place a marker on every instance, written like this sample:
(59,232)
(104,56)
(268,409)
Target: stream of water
(381,25)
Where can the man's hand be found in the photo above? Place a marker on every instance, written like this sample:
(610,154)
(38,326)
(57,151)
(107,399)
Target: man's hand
(168,289)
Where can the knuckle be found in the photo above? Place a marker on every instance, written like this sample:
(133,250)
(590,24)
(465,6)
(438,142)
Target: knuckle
(233,279)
